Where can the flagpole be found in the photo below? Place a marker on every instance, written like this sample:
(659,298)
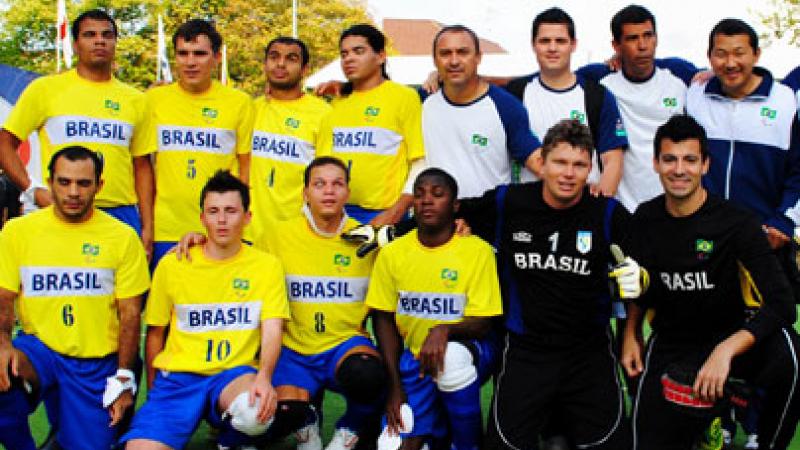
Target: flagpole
(158,49)
(294,19)
(58,51)
(223,73)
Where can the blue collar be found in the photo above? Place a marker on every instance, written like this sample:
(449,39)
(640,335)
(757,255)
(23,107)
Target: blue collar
(714,86)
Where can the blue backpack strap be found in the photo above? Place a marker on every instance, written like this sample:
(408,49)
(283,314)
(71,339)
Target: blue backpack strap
(500,204)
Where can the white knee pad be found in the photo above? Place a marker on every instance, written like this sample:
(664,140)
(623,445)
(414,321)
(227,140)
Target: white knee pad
(244,417)
(459,370)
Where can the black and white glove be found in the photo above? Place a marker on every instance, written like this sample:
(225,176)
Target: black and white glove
(631,278)
(368,238)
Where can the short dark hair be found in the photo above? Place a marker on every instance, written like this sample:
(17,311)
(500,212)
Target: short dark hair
(324,161)
(223,181)
(553,15)
(679,128)
(435,172)
(94,14)
(732,27)
(458,29)
(189,30)
(375,39)
(77,153)
(630,14)
(569,131)
(304,55)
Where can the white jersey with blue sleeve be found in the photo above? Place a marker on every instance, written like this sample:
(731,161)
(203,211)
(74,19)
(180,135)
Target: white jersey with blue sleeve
(475,142)
(547,106)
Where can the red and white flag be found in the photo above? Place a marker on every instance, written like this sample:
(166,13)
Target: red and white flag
(63,39)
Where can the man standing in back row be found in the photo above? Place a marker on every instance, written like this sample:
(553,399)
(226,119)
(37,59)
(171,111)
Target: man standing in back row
(648,92)
(194,127)
(556,93)
(87,106)
(473,129)
(285,135)
(375,129)
(753,142)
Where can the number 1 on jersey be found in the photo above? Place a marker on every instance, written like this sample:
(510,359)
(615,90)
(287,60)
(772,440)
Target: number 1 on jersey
(553,242)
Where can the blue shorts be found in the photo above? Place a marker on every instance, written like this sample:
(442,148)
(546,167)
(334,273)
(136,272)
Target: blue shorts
(314,372)
(78,384)
(176,404)
(423,394)
(128,215)
(160,249)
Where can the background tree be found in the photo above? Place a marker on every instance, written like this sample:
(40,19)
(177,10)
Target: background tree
(782,19)
(27,32)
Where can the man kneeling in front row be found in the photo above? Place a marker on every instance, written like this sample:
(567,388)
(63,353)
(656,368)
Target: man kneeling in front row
(221,307)
(722,307)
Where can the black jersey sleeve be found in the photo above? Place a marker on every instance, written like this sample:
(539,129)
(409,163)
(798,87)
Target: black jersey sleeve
(620,224)
(634,244)
(777,307)
(480,213)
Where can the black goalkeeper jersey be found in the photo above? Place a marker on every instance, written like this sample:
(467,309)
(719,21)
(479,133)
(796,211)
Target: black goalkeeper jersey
(553,262)
(711,273)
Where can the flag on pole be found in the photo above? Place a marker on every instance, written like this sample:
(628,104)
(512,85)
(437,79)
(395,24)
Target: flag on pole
(163,72)
(223,71)
(63,40)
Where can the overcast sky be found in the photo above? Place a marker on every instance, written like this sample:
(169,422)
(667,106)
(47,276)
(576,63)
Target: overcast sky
(682,25)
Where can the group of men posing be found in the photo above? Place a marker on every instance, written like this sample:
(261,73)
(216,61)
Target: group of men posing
(248,339)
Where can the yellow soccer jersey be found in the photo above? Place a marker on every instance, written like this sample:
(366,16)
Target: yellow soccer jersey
(69,276)
(214,309)
(194,136)
(326,282)
(377,133)
(425,286)
(103,116)
(284,139)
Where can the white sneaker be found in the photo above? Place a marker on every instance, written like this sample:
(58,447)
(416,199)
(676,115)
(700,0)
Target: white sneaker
(343,439)
(308,437)
(752,442)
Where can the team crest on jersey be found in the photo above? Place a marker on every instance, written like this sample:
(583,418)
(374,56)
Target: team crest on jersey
(341,261)
(482,141)
(291,122)
(91,251)
(241,285)
(583,242)
(768,115)
(449,277)
(371,113)
(112,106)
(577,115)
(210,114)
(522,236)
(670,102)
(703,248)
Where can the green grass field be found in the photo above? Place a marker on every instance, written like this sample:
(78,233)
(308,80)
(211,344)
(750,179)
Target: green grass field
(333,408)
